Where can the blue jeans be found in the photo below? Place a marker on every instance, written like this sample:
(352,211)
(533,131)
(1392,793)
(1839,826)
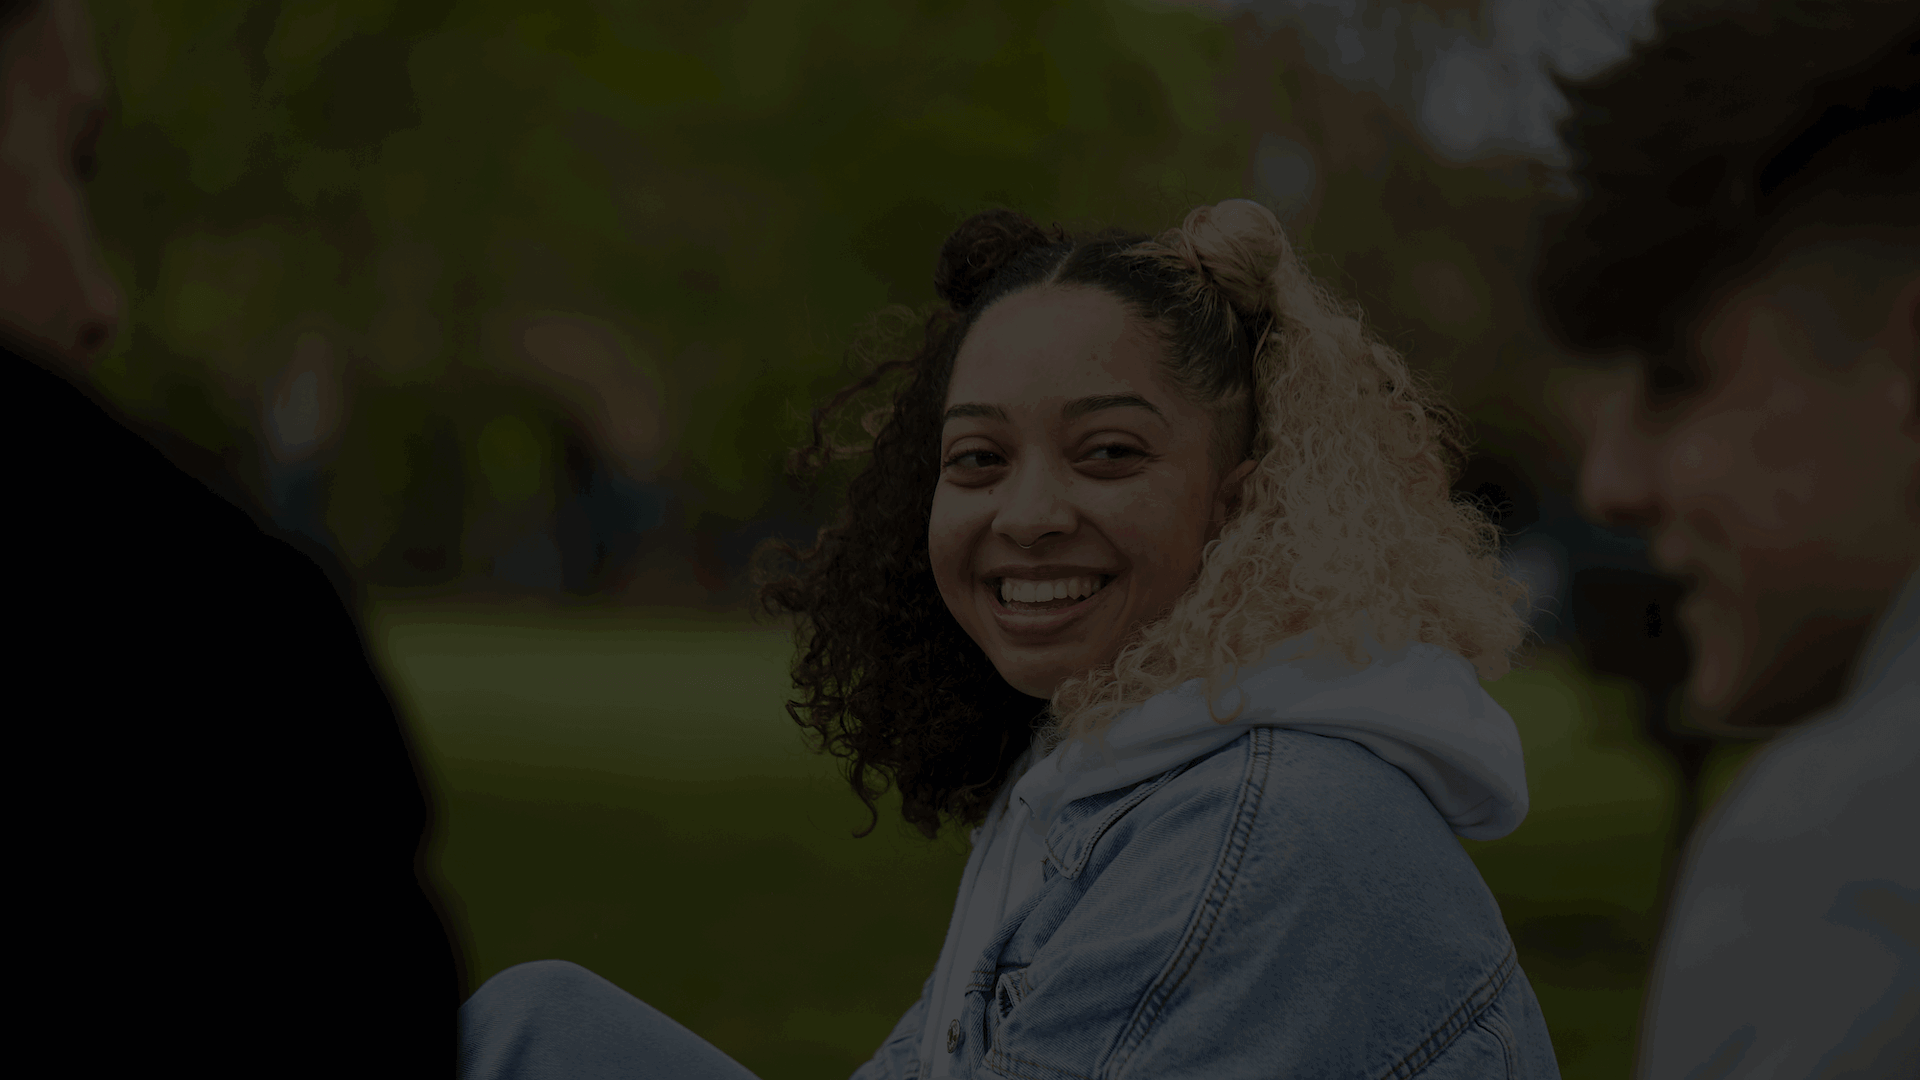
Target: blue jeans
(552,1020)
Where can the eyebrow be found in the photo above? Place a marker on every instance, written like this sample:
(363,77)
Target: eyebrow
(974,409)
(1075,409)
(1087,405)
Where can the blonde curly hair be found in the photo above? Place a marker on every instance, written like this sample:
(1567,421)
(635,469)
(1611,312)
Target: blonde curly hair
(1347,525)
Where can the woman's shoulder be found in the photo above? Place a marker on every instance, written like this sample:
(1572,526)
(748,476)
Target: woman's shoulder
(1299,788)
(1278,814)
(1292,875)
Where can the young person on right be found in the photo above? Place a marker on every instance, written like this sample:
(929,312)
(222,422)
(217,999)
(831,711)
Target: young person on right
(1749,233)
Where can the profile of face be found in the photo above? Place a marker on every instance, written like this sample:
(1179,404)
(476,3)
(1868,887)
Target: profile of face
(56,297)
(1077,491)
(1782,483)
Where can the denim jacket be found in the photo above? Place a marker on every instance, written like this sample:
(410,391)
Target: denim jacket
(1287,904)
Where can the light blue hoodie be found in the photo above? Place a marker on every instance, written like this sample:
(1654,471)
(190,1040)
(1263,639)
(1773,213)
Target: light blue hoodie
(1419,708)
(1794,947)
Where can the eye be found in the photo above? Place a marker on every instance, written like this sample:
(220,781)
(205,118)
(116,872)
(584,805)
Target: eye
(1115,452)
(973,459)
(1668,383)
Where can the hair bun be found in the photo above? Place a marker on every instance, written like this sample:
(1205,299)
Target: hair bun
(1237,245)
(978,249)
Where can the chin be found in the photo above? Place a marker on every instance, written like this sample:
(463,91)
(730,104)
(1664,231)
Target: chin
(1716,634)
(1036,679)
(1034,684)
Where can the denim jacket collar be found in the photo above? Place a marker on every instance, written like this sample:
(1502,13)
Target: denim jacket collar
(1078,827)
(1419,707)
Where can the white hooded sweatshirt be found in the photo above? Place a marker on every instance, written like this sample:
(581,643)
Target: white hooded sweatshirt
(1419,708)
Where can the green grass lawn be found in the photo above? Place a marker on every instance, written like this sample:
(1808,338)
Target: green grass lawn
(625,791)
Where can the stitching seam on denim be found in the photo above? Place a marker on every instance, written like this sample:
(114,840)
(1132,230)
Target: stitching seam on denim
(993,981)
(1450,1028)
(1502,1033)
(1010,1065)
(1226,872)
(1083,849)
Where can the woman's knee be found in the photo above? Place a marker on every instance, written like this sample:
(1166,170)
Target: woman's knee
(550,989)
(555,1019)
(541,979)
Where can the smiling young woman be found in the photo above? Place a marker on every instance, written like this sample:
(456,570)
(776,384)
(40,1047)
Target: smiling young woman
(1076,487)
(1152,575)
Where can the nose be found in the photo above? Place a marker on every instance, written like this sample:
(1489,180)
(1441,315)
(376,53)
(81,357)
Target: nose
(97,317)
(1616,478)
(1037,507)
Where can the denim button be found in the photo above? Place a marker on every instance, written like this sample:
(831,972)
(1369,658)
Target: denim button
(953,1036)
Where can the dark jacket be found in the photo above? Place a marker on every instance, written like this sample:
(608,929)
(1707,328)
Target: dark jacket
(219,815)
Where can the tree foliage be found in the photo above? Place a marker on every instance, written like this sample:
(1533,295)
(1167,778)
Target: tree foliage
(646,233)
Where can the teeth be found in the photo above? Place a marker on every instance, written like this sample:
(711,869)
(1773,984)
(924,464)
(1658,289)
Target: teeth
(1013,590)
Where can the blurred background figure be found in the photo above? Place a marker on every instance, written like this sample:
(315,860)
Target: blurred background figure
(1749,235)
(517,313)
(219,820)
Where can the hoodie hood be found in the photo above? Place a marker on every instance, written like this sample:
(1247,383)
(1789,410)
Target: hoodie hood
(1419,708)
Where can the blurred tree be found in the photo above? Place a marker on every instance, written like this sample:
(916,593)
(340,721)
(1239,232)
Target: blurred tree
(664,222)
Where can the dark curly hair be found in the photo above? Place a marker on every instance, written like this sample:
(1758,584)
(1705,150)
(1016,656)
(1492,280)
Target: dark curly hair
(1734,126)
(885,678)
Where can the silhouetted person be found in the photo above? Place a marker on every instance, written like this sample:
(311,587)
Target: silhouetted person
(217,818)
(1750,229)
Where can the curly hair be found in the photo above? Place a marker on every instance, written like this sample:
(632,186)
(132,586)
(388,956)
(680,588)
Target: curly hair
(1730,128)
(1347,525)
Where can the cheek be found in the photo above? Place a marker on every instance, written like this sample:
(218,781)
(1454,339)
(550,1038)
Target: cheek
(1161,529)
(30,248)
(1745,469)
(952,529)
(47,259)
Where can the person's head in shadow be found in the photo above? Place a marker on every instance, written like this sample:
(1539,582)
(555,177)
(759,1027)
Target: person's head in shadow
(57,299)
(1750,236)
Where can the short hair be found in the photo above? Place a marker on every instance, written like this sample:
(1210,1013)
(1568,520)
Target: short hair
(1738,129)
(13,13)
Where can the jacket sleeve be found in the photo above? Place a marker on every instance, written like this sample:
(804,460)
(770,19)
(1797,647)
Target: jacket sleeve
(897,1058)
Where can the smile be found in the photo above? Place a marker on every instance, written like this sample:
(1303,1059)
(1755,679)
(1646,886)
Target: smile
(1018,594)
(1036,609)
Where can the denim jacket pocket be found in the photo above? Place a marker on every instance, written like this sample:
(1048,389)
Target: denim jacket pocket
(1010,986)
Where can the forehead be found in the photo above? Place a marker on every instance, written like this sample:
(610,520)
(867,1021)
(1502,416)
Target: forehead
(1816,302)
(1056,341)
(52,49)
(1765,328)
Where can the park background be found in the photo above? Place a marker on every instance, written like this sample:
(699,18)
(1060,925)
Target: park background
(517,310)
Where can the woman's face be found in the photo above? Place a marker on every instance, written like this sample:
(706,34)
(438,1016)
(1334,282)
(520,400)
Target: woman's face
(1076,491)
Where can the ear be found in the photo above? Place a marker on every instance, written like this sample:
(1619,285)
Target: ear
(1226,497)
